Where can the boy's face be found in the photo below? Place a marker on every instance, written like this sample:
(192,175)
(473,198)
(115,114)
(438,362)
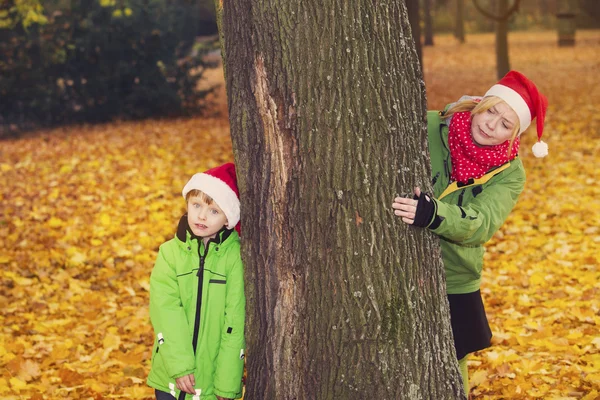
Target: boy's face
(205,220)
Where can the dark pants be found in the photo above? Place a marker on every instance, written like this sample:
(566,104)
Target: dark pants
(163,395)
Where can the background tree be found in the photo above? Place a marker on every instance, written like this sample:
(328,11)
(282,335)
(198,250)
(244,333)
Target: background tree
(23,13)
(414,18)
(207,18)
(566,23)
(428,22)
(327,112)
(96,60)
(501,18)
(459,29)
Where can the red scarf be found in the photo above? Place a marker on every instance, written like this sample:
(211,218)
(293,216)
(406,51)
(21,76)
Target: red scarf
(470,160)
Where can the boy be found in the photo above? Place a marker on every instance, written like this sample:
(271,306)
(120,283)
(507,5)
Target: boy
(197,301)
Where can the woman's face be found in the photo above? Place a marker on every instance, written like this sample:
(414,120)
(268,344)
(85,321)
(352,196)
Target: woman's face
(494,126)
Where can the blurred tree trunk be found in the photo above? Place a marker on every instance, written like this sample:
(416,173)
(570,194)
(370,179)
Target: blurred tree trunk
(504,12)
(428,10)
(502,62)
(459,30)
(327,111)
(414,18)
(566,24)
(207,24)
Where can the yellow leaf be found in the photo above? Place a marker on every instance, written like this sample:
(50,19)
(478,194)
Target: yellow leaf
(105,219)
(17,384)
(111,341)
(65,169)
(145,284)
(23,281)
(29,370)
(97,387)
(55,222)
(137,392)
(593,395)
(537,279)
(4,388)
(574,334)
(593,378)
(477,378)
(78,258)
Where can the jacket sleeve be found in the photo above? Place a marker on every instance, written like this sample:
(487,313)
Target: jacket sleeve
(168,319)
(230,360)
(476,222)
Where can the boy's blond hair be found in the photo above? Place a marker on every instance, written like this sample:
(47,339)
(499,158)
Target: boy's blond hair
(199,193)
(479,107)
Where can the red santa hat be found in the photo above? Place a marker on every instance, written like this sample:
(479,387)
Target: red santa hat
(523,97)
(220,183)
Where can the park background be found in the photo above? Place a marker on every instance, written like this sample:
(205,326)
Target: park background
(91,173)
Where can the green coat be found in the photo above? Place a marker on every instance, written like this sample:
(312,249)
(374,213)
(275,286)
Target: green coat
(467,216)
(218,363)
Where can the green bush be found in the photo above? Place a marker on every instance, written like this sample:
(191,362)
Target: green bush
(94,61)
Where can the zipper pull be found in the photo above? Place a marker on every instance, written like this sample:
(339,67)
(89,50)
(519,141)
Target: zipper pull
(201,269)
(202,258)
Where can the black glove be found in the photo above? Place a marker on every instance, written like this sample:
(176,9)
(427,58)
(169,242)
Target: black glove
(425,210)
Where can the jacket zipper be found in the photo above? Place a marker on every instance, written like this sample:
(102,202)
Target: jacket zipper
(200,276)
(199,298)
(446,169)
(435,178)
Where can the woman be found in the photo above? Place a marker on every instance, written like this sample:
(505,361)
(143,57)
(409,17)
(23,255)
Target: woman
(477,179)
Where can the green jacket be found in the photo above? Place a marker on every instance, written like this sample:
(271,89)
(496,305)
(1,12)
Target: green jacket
(184,268)
(467,216)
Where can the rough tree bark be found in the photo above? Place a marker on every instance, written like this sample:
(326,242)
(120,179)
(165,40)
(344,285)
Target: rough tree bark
(327,113)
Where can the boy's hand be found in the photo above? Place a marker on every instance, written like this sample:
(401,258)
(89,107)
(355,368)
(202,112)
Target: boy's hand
(186,383)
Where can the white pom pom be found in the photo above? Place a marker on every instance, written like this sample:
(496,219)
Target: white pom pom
(540,149)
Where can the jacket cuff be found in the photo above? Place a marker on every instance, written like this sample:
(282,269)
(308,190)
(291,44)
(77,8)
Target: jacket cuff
(184,373)
(436,220)
(228,395)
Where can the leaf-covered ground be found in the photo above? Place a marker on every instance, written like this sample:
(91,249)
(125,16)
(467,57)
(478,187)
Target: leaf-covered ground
(83,210)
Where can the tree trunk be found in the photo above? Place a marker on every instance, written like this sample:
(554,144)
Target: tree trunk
(502,63)
(414,18)
(428,22)
(566,23)
(327,112)
(501,18)
(459,30)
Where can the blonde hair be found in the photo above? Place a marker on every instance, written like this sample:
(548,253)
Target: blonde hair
(199,193)
(480,107)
